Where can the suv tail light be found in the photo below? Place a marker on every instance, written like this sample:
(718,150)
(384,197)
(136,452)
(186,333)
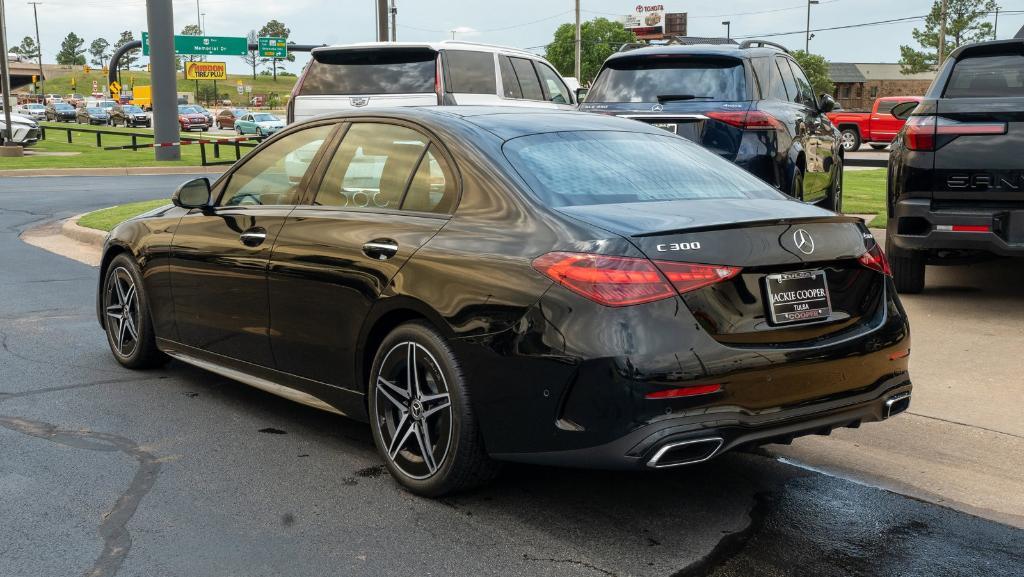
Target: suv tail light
(930,133)
(874,259)
(617,281)
(746,120)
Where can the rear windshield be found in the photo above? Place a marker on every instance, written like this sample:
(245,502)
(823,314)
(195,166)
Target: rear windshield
(644,79)
(389,71)
(987,76)
(604,167)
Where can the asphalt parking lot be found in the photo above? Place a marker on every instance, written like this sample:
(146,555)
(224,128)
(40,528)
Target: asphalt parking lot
(104,471)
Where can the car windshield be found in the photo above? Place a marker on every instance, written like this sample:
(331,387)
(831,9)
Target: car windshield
(264,118)
(63,107)
(187,110)
(644,79)
(95,110)
(35,107)
(132,109)
(382,71)
(605,167)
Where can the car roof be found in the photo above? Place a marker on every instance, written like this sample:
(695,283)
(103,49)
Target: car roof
(437,46)
(726,50)
(505,122)
(992,46)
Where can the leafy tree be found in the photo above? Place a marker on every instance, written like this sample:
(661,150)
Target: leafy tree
(278,29)
(816,69)
(189,30)
(599,38)
(130,57)
(965,23)
(71,50)
(252,57)
(98,49)
(27,49)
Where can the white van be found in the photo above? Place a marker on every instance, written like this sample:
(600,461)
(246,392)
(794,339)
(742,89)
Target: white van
(382,74)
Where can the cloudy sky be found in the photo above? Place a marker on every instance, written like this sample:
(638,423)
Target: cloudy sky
(519,23)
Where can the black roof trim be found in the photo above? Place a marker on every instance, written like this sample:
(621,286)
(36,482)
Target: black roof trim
(763,44)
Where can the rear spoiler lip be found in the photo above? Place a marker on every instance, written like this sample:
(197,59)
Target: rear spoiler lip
(993,46)
(754,223)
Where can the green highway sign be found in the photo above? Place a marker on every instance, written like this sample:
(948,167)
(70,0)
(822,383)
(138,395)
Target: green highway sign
(273,47)
(205,45)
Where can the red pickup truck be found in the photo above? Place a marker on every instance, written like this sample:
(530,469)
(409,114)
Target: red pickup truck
(876,128)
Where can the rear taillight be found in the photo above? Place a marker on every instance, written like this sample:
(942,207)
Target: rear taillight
(617,281)
(875,259)
(929,133)
(748,120)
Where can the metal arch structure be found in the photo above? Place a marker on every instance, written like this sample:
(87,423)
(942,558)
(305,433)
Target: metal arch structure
(115,58)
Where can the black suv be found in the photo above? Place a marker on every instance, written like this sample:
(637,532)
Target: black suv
(956,170)
(751,103)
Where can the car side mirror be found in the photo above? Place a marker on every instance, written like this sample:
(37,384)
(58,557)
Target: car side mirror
(903,110)
(826,103)
(581,94)
(193,194)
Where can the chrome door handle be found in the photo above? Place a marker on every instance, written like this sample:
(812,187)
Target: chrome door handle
(381,249)
(253,237)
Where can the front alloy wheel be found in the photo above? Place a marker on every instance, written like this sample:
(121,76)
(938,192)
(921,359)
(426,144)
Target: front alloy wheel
(126,316)
(420,415)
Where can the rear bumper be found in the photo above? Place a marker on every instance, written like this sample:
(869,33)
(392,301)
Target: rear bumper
(708,435)
(915,223)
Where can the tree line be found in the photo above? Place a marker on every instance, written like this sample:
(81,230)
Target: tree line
(73,51)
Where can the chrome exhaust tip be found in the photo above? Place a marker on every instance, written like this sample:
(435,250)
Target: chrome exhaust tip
(685,452)
(896,404)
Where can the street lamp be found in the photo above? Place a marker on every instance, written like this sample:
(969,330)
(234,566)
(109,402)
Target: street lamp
(807,43)
(728,35)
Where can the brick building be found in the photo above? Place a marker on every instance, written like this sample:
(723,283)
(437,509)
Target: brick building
(858,85)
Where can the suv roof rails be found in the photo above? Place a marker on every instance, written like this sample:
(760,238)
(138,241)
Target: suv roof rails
(679,41)
(763,44)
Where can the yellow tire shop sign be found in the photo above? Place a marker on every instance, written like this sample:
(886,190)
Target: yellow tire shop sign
(206,70)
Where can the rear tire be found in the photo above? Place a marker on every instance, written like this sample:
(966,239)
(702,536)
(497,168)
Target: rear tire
(834,202)
(908,267)
(126,318)
(849,138)
(422,420)
(796,189)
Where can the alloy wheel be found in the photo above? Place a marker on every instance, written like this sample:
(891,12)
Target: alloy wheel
(413,410)
(121,305)
(847,140)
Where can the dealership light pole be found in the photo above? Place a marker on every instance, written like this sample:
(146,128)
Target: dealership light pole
(807,41)
(728,31)
(160,19)
(578,49)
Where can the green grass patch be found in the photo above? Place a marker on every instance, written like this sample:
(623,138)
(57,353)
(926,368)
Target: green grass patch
(88,155)
(864,193)
(260,85)
(107,218)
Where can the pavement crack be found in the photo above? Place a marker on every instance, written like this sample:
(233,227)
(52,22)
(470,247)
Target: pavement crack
(940,419)
(5,396)
(117,541)
(570,562)
(732,543)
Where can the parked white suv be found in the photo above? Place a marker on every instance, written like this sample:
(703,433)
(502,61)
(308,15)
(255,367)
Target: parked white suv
(383,74)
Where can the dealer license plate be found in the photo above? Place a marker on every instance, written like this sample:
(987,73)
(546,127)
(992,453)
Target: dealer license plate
(800,296)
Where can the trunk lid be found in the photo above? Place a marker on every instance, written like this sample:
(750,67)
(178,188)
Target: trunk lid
(765,238)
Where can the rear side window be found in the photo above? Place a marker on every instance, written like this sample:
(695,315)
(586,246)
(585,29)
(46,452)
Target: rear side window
(380,71)
(471,72)
(987,76)
(528,81)
(604,167)
(644,79)
(509,82)
(787,79)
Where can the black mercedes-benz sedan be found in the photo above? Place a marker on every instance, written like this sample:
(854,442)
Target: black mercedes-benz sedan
(496,284)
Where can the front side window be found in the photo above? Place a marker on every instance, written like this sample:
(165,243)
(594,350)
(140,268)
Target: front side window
(992,76)
(605,167)
(555,89)
(803,86)
(650,79)
(471,72)
(787,79)
(272,175)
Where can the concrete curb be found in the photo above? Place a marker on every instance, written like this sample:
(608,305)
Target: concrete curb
(123,171)
(89,236)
